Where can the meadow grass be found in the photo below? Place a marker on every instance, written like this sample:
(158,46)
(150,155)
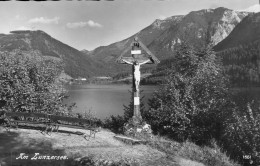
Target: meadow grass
(209,156)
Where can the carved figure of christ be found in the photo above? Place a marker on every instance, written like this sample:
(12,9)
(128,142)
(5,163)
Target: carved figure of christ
(137,73)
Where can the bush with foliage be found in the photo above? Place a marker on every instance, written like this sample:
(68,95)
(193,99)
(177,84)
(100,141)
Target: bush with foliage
(196,104)
(189,105)
(29,82)
(242,133)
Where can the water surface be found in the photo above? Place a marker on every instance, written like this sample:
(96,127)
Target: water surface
(104,100)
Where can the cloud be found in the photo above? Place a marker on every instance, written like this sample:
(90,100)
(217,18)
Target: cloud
(76,25)
(44,20)
(90,23)
(24,28)
(19,17)
(94,24)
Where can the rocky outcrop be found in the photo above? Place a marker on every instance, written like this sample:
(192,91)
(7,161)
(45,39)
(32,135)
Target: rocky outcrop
(198,28)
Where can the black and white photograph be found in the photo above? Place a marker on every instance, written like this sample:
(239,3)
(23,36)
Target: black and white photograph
(130,83)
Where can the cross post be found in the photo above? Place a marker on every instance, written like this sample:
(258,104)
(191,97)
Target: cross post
(139,55)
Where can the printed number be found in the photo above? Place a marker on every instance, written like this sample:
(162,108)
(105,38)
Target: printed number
(246,156)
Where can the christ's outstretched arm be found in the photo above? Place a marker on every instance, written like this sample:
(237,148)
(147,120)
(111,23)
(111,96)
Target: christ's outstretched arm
(127,62)
(144,62)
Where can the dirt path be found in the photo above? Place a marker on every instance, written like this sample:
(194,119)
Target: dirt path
(104,146)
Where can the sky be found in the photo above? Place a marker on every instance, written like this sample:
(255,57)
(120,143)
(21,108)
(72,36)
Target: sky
(90,24)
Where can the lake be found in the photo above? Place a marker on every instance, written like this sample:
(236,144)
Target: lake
(104,100)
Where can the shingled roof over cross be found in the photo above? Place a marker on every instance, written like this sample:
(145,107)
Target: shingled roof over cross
(146,54)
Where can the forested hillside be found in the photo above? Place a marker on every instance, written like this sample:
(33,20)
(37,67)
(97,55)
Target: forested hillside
(242,64)
(76,63)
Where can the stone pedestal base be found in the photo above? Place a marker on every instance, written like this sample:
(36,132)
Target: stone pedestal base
(136,127)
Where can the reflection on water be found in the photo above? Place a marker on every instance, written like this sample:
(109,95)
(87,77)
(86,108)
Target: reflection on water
(104,100)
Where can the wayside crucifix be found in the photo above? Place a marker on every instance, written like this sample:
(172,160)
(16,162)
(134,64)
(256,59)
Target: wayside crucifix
(140,55)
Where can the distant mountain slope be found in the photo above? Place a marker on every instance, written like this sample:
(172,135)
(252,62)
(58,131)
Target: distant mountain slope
(245,32)
(161,37)
(84,51)
(108,54)
(198,28)
(76,63)
(241,52)
(242,63)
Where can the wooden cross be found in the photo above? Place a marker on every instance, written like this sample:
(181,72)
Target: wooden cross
(136,60)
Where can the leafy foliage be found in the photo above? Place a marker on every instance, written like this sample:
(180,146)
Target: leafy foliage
(195,104)
(242,132)
(115,123)
(189,104)
(29,82)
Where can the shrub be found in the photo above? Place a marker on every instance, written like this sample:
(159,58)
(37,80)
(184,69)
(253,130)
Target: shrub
(29,82)
(212,156)
(242,133)
(190,104)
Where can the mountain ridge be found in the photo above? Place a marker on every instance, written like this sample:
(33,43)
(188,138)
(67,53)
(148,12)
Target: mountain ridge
(199,27)
(77,64)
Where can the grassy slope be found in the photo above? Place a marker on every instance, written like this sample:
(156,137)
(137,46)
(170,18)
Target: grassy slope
(104,149)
